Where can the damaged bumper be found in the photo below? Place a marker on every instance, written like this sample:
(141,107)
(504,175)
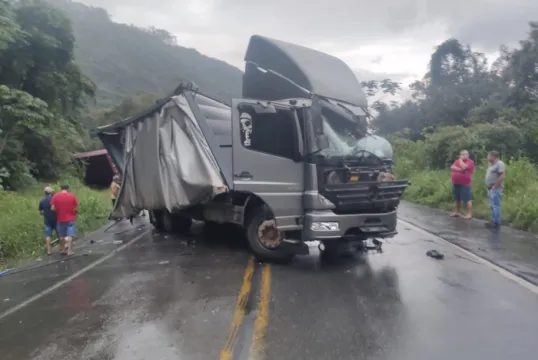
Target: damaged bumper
(326,225)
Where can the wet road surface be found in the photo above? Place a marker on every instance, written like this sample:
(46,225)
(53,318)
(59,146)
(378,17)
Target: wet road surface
(203,297)
(513,250)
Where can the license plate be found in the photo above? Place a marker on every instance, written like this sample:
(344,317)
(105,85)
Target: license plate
(354,178)
(370,229)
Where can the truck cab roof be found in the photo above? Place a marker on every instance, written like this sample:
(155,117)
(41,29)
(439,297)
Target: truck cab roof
(311,71)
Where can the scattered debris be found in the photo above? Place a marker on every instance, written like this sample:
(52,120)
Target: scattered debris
(117,242)
(6,299)
(435,254)
(4,272)
(164,262)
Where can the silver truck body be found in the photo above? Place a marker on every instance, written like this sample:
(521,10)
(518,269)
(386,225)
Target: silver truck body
(285,162)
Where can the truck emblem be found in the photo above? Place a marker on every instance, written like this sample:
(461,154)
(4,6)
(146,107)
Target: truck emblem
(246,128)
(373,192)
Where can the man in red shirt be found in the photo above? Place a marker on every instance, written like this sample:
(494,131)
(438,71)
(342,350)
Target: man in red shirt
(65,204)
(462,174)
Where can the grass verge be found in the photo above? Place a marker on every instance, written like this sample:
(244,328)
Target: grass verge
(21,225)
(519,205)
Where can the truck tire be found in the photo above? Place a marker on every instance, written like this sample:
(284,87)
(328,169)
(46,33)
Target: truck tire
(168,222)
(163,221)
(155,218)
(182,224)
(258,218)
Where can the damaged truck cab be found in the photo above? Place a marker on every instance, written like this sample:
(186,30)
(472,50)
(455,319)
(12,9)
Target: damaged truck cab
(290,162)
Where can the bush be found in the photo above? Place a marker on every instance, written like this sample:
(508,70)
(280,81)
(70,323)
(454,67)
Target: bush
(21,225)
(433,187)
(444,146)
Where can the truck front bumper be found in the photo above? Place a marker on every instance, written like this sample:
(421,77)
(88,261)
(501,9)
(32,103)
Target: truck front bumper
(326,225)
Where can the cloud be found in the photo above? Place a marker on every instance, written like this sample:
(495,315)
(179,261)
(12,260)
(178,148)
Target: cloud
(378,39)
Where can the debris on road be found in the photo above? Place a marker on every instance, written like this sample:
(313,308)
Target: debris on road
(435,254)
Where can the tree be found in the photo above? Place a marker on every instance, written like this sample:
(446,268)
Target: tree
(521,71)
(125,60)
(42,92)
(461,101)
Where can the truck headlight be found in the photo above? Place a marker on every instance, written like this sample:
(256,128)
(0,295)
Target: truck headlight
(325,226)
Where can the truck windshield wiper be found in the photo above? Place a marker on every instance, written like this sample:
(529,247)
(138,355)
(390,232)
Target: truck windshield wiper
(362,151)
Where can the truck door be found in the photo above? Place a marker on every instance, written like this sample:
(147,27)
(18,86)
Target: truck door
(267,158)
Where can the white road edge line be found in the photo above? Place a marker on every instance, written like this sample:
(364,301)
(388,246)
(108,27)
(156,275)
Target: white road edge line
(507,274)
(68,279)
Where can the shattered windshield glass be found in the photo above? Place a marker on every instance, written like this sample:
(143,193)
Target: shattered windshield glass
(345,140)
(377,145)
(342,138)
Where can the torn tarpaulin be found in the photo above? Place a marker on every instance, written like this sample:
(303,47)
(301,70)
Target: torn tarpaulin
(168,163)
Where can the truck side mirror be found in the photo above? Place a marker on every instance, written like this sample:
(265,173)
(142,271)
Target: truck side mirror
(322,141)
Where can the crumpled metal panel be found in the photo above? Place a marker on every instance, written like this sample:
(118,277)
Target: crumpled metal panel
(167,162)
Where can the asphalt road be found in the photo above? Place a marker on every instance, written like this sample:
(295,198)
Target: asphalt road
(203,297)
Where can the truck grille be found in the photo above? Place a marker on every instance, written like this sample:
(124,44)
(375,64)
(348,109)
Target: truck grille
(365,196)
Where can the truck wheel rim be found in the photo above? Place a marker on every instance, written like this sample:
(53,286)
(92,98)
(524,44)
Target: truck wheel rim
(268,234)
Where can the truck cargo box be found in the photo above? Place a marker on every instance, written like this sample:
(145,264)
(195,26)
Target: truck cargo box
(173,155)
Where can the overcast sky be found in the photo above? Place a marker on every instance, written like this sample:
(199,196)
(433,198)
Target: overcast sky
(377,38)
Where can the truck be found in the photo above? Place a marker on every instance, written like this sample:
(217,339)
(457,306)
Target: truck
(290,162)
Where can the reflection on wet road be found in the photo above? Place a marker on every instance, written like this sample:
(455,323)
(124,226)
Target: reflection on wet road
(195,298)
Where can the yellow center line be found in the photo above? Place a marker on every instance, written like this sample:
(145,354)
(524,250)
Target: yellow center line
(239,314)
(262,316)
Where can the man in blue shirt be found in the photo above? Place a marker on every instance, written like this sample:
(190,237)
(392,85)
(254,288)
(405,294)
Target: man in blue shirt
(49,217)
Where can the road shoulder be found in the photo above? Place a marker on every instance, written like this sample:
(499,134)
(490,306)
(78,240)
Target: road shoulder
(513,250)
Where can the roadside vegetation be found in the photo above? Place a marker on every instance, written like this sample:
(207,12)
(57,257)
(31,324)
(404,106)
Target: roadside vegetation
(43,94)
(464,103)
(21,225)
(433,187)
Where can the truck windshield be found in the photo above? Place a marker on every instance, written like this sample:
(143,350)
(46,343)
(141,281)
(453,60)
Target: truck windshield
(345,141)
(376,145)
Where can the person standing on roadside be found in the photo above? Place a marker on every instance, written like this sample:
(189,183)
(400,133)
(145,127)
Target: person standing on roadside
(115,189)
(65,204)
(462,175)
(495,185)
(49,219)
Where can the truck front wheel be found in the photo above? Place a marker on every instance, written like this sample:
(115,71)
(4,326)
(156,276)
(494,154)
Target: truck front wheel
(263,236)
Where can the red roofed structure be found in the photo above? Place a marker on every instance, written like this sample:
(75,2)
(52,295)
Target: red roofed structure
(98,167)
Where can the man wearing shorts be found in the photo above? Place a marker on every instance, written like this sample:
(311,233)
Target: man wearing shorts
(49,218)
(462,175)
(65,204)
